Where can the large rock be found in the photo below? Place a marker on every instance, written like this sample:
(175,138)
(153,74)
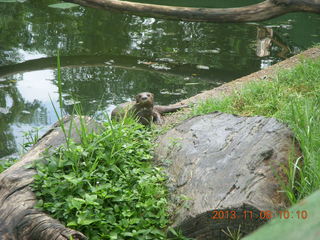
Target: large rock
(223,162)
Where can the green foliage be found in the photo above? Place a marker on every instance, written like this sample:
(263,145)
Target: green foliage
(294,98)
(30,137)
(106,187)
(303,116)
(177,234)
(7,163)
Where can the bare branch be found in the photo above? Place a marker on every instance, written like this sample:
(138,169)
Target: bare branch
(257,12)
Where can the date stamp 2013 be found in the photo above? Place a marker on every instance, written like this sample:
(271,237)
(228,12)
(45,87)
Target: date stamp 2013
(262,215)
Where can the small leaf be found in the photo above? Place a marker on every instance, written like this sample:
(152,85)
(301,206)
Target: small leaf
(113,235)
(62,5)
(72,179)
(72,224)
(127,234)
(85,221)
(75,203)
(90,199)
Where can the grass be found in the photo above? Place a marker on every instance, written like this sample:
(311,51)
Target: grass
(293,97)
(30,138)
(233,235)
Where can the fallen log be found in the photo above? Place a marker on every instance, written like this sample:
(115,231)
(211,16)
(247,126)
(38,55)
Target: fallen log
(228,168)
(257,12)
(19,220)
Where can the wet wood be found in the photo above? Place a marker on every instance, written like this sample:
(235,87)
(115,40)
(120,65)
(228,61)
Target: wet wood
(257,12)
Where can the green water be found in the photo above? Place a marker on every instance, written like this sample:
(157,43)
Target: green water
(109,57)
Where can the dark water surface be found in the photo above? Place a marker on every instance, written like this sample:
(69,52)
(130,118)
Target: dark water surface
(109,57)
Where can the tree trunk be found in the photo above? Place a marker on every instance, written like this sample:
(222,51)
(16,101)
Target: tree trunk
(19,220)
(253,13)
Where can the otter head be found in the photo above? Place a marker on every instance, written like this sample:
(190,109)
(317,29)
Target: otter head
(144,99)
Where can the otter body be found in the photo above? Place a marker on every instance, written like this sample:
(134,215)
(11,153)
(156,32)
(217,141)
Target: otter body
(143,108)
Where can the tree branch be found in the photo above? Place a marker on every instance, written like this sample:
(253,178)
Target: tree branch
(257,12)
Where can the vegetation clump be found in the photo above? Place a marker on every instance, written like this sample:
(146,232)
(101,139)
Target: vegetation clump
(106,186)
(292,97)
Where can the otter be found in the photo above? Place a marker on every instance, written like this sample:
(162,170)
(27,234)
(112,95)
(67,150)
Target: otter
(144,109)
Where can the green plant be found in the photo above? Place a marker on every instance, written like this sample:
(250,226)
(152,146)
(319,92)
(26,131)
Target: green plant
(31,137)
(106,187)
(177,234)
(303,116)
(7,163)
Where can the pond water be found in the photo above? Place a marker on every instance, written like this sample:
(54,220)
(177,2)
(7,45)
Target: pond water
(108,57)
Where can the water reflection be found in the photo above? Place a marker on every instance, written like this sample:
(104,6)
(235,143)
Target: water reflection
(25,104)
(108,57)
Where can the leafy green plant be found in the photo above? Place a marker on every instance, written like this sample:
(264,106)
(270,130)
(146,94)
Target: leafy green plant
(106,186)
(292,97)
